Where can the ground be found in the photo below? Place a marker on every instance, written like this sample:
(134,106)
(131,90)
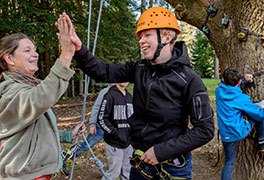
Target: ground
(69,113)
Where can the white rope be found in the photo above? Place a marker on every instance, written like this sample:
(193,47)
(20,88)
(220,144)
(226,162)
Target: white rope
(86,87)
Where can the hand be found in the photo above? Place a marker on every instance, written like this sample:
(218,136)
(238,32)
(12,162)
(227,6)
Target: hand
(78,129)
(73,36)
(66,45)
(92,130)
(149,157)
(248,77)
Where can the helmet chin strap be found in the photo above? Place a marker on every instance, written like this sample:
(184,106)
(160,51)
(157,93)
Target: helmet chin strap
(160,45)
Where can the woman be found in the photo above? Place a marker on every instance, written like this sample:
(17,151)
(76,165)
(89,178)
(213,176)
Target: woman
(29,137)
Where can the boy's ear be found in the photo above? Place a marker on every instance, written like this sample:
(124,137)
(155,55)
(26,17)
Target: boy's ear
(8,59)
(239,82)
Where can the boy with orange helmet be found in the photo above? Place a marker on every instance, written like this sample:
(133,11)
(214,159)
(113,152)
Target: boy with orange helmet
(168,95)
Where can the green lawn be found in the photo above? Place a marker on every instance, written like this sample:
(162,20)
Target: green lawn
(211,84)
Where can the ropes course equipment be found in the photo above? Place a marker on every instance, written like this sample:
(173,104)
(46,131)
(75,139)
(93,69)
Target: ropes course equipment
(72,153)
(158,171)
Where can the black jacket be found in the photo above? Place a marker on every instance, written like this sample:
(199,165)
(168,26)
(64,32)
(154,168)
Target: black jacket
(113,116)
(165,97)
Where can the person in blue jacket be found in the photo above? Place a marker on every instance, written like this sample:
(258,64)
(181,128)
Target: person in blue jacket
(232,108)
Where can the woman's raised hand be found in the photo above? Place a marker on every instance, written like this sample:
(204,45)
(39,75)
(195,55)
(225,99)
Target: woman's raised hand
(66,44)
(73,36)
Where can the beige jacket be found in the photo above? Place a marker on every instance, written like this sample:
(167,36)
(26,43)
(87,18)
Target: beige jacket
(29,139)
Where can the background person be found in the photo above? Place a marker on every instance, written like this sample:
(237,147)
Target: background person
(115,109)
(236,116)
(96,134)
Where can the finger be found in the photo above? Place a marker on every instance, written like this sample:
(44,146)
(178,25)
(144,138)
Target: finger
(56,25)
(58,35)
(146,160)
(143,157)
(59,23)
(65,24)
(69,22)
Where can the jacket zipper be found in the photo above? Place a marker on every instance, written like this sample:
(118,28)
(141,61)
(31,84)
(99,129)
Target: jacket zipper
(147,103)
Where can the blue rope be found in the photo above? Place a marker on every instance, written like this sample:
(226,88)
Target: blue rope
(98,161)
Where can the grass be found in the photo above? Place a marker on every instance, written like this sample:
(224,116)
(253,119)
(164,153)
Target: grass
(211,84)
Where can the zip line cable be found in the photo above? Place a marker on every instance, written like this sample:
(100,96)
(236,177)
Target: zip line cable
(86,87)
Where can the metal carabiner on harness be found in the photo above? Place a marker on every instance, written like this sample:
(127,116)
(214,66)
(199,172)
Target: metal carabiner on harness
(138,164)
(67,156)
(157,171)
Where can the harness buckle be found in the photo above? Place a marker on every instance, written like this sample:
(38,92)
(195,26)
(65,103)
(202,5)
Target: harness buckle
(156,172)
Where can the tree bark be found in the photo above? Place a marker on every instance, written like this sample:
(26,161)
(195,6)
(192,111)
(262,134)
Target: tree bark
(216,67)
(245,54)
(81,83)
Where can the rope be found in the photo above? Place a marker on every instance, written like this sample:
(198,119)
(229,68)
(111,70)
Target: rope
(218,149)
(86,86)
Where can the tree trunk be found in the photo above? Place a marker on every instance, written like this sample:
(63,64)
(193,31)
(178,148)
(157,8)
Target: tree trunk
(143,6)
(81,88)
(216,67)
(246,54)
(72,88)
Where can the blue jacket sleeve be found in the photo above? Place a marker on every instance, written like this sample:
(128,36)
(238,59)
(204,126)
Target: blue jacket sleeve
(253,110)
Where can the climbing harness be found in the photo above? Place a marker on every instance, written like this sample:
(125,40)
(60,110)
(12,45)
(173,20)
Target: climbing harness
(70,155)
(157,171)
(67,156)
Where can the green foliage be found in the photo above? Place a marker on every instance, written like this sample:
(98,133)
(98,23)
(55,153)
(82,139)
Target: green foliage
(117,41)
(36,18)
(31,18)
(203,56)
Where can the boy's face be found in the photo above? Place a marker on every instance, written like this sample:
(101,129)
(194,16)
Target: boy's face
(123,84)
(148,43)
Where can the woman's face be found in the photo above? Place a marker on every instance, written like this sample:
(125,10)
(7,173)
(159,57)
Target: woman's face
(24,58)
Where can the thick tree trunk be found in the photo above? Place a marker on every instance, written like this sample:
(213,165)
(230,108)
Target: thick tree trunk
(247,55)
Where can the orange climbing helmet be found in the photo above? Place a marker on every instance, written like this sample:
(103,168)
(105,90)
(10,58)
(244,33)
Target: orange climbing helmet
(157,17)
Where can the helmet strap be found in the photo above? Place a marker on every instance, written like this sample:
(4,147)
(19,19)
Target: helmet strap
(160,45)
